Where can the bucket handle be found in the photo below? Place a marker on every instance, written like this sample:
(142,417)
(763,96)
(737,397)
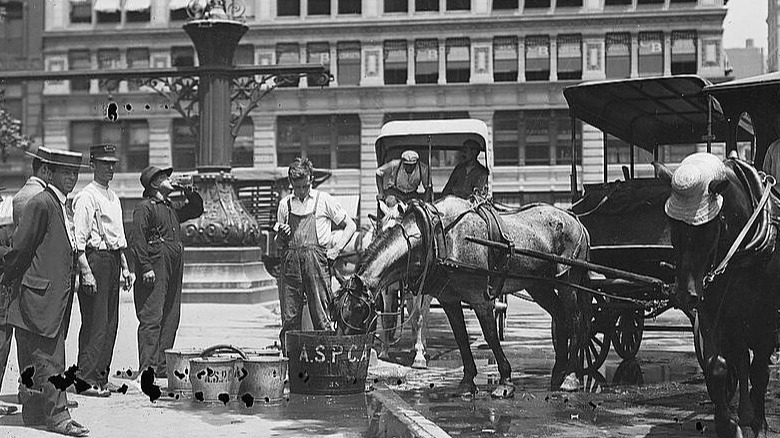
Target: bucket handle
(223,348)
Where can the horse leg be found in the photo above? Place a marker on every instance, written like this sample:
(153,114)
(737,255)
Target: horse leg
(742,359)
(454,313)
(717,377)
(486,317)
(388,323)
(575,327)
(422,307)
(545,297)
(759,380)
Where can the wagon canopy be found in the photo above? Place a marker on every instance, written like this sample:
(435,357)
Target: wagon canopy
(397,136)
(649,112)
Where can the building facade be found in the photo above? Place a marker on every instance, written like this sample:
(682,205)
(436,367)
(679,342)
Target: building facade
(505,62)
(746,61)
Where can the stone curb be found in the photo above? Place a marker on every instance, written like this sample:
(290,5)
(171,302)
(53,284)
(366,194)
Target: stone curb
(416,424)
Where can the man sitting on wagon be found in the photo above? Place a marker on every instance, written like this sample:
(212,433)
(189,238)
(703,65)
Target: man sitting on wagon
(400,179)
(469,174)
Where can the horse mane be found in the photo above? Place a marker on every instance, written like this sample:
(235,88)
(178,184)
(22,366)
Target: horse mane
(377,246)
(749,178)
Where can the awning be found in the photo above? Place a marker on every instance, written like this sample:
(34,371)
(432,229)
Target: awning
(79,2)
(137,5)
(177,4)
(107,6)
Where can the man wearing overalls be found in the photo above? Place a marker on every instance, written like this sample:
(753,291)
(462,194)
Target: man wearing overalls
(304,222)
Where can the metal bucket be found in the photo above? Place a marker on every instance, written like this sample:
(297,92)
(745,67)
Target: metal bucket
(177,363)
(215,379)
(264,378)
(323,363)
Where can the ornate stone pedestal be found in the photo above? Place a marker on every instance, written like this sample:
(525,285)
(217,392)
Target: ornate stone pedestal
(222,256)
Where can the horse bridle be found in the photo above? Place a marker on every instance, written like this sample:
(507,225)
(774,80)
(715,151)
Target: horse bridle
(365,299)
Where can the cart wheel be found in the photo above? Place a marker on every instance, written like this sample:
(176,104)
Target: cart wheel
(628,334)
(596,347)
(500,307)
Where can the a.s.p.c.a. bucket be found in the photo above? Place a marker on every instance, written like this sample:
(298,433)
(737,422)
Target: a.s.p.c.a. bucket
(322,362)
(263,378)
(216,378)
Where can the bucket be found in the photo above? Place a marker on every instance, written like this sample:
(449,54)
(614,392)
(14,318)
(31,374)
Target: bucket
(323,363)
(264,378)
(177,363)
(215,378)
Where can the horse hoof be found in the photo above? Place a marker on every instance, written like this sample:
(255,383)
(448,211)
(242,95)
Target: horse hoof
(420,364)
(504,390)
(571,383)
(467,389)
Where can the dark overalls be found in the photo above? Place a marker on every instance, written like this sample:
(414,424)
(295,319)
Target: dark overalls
(304,274)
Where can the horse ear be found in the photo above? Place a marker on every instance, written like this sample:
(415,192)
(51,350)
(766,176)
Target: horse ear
(383,207)
(718,185)
(401,208)
(662,172)
(373,217)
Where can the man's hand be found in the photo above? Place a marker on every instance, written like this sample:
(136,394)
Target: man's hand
(284,229)
(128,279)
(88,283)
(333,253)
(148,278)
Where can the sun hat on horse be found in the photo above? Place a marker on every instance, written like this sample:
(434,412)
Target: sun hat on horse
(691,200)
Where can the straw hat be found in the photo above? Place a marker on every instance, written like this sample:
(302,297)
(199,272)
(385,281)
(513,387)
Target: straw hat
(60,157)
(410,157)
(691,201)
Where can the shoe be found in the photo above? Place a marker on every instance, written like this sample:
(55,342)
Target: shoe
(111,387)
(72,404)
(69,428)
(96,392)
(6,409)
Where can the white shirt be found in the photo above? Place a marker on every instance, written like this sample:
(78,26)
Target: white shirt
(68,222)
(329,212)
(97,217)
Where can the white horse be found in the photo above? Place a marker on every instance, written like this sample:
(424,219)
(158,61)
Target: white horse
(417,306)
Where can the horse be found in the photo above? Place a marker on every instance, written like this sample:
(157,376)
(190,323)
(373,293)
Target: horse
(418,305)
(430,246)
(734,295)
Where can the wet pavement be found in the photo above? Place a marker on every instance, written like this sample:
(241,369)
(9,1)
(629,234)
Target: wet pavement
(660,394)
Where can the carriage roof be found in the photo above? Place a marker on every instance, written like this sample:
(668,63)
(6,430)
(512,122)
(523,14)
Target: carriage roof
(648,112)
(416,135)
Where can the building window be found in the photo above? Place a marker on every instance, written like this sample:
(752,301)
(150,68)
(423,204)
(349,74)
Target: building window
(458,5)
(537,4)
(182,56)
(108,59)
(395,63)
(348,63)
(348,7)
(178,14)
(505,59)
(570,4)
(185,146)
(137,11)
(396,6)
(79,60)
(318,53)
(244,145)
(537,137)
(426,5)
(131,138)
(537,58)
(318,7)
(651,54)
(81,11)
(683,52)
(426,61)
(506,138)
(136,58)
(286,54)
(650,2)
(108,11)
(288,8)
(12,29)
(245,55)
(502,5)
(329,141)
(617,2)
(458,60)
(562,129)
(683,1)
(569,57)
(618,62)
(438,158)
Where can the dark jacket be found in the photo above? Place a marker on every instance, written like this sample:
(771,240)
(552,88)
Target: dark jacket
(41,264)
(156,229)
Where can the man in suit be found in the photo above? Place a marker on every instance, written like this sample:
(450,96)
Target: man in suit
(40,266)
(34,185)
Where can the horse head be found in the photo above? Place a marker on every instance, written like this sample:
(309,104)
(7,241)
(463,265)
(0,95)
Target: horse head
(702,211)
(354,309)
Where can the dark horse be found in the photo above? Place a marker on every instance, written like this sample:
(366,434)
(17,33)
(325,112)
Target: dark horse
(736,307)
(429,246)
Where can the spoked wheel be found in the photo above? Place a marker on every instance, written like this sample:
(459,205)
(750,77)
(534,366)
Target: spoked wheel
(595,349)
(698,340)
(628,333)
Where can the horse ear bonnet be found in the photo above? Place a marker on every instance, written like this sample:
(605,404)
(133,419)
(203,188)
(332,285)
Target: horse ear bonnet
(695,200)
